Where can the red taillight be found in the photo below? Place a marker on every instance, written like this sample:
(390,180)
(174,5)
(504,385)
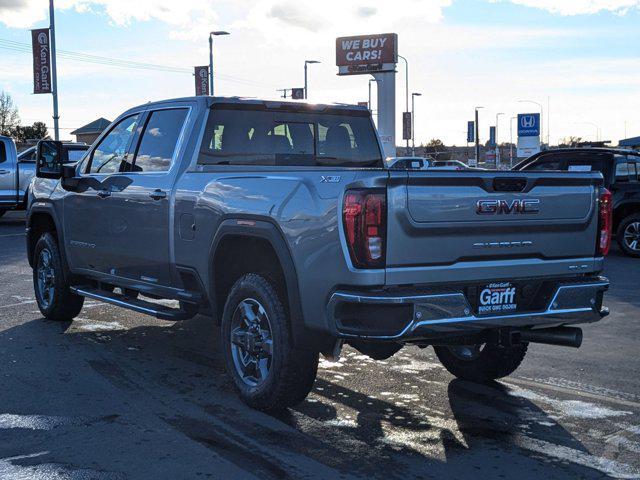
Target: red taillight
(364,214)
(605,209)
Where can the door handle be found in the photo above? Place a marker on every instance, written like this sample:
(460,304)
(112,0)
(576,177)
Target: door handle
(2,172)
(104,193)
(158,194)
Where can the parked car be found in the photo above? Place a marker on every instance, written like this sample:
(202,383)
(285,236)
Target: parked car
(621,171)
(281,221)
(17,170)
(449,165)
(414,163)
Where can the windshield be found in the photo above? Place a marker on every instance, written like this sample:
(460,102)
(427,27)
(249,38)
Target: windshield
(251,137)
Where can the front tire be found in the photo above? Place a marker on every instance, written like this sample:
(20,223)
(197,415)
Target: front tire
(268,371)
(55,299)
(628,235)
(481,363)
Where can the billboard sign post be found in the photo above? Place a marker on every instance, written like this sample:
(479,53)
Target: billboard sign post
(528,134)
(375,55)
(202,80)
(41,47)
(364,54)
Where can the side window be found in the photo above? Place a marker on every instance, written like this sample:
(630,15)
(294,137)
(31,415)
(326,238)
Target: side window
(3,152)
(622,172)
(159,139)
(634,171)
(109,155)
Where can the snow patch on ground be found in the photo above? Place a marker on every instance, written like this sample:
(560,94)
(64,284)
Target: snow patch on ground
(570,408)
(32,422)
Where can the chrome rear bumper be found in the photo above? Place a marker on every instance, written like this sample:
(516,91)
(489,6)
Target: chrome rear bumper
(442,314)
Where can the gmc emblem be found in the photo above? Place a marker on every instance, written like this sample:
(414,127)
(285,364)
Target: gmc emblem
(503,207)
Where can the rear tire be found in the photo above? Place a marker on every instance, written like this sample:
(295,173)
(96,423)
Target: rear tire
(268,371)
(481,363)
(628,235)
(55,299)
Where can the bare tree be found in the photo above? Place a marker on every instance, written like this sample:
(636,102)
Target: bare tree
(9,118)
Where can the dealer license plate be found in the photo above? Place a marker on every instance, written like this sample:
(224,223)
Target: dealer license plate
(497,298)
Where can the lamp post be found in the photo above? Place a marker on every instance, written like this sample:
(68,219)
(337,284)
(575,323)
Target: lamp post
(541,115)
(307,62)
(54,76)
(406,89)
(497,142)
(211,35)
(593,125)
(477,135)
(511,140)
(413,122)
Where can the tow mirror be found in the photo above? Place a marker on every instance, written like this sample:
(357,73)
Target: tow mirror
(50,159)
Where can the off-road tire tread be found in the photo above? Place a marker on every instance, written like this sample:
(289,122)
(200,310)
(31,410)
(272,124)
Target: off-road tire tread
(299,363)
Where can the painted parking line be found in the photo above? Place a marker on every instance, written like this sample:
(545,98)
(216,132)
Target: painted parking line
(12,235)
(572,391)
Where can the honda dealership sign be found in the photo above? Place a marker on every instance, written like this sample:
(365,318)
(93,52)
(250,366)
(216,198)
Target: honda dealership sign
(364,54)
(202,80)
(529,132)
(41,60)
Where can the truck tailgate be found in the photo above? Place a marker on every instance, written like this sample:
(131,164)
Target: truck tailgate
(493,220)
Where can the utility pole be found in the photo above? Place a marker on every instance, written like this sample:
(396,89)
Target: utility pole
(54,75)
(477,139)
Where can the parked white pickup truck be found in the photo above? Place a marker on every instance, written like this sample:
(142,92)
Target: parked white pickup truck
(17,170)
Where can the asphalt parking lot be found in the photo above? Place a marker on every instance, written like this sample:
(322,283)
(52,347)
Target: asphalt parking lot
(117,395)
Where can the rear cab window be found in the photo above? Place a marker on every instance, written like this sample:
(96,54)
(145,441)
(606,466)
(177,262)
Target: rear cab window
(249,136)
(159,140)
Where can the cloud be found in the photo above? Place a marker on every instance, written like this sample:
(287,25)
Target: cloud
(580,7)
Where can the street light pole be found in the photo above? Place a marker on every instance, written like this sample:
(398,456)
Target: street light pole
(511,140)
(54,75)
(211,35)
(406,87)
(413,122)
(307,62)
(497,142)
(477,135)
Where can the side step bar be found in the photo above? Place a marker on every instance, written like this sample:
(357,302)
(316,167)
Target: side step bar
(141,306)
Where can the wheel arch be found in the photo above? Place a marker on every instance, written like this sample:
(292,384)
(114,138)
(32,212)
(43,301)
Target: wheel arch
(623,210)
(42,219)
(233,236)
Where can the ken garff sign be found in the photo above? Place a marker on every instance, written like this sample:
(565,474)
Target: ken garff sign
(364,54)
(528,125)
(41,49)
(201,75)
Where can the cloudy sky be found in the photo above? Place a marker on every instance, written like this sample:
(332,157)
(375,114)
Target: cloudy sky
(581,56)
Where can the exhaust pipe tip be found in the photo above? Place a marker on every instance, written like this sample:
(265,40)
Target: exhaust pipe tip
(561,336)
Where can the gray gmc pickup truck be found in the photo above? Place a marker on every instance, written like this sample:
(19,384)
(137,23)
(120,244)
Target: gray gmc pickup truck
(280,221)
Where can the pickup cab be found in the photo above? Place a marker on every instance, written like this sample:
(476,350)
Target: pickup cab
(17,170)
(281,222)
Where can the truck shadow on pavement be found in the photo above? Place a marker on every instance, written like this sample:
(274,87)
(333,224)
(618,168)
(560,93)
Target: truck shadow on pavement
(116,384)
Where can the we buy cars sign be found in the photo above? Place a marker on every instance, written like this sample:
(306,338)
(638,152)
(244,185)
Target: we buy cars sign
(363,54)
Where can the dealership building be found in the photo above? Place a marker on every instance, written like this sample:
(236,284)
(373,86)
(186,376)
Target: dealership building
(633,142)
